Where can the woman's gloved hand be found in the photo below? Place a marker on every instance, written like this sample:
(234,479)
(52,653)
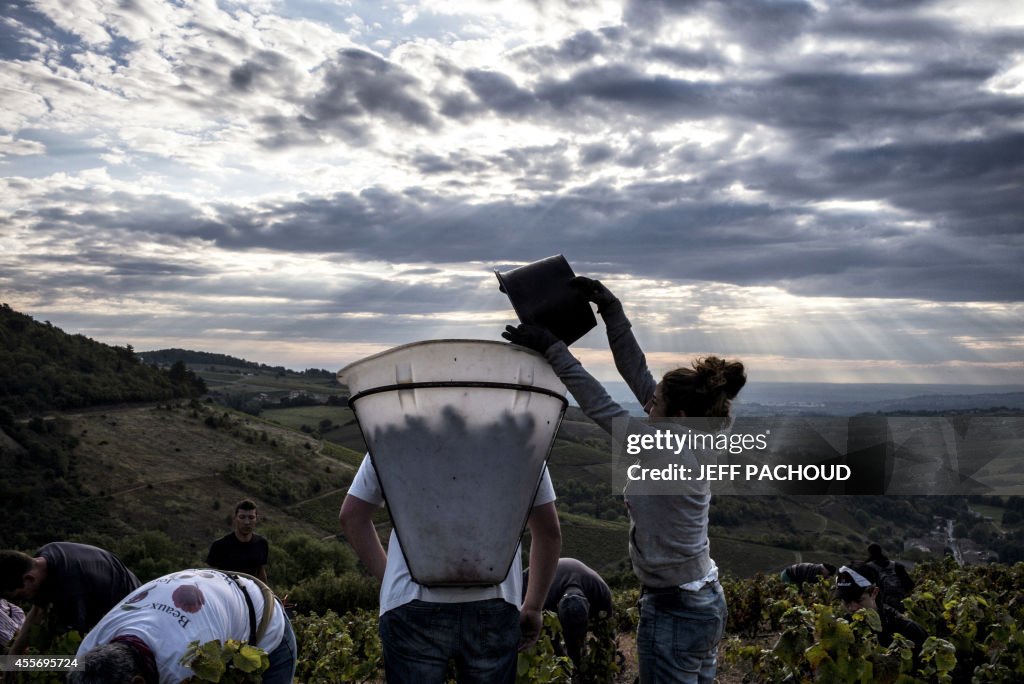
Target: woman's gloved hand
(528,335)
(595,292)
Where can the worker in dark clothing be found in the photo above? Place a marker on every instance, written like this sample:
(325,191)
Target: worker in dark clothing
(241,550)
(857,588)
(577,594)
(71,586)
(893,579)
(800,573)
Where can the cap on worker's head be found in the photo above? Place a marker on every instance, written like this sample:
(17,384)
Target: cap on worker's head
(851,584)
(573,611)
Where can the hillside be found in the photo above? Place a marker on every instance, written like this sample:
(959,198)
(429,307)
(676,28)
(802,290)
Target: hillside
(199,360)
(42,368)
(155,481)
(177,468)
(252,387)
(173,467)
(167,357)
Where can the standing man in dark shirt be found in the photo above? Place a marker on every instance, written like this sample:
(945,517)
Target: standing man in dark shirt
(577,594)
(70,585)
(242,550)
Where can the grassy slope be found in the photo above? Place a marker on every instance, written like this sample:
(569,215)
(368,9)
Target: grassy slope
(581,452)
(250,381)
(599,543)
(154,468)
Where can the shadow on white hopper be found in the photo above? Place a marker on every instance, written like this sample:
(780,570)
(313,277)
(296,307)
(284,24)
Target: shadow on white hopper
(458,432)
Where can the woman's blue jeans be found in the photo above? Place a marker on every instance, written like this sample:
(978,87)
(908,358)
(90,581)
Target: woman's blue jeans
(677,638)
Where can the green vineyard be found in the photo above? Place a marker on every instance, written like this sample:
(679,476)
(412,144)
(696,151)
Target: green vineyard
(776,633)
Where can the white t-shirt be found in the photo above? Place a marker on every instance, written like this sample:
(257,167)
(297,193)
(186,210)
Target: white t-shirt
(172,611)
(398,587)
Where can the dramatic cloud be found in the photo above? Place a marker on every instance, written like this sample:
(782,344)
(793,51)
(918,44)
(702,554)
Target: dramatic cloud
(830,188)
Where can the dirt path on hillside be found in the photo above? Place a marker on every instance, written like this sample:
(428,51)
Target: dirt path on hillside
(318,496)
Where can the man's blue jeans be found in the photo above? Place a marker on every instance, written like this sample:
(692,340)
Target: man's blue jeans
(283,659)
(420,638)
(677,638)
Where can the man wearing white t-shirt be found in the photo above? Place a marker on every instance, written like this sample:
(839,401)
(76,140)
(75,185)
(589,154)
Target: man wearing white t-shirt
(143,638)
(422,628)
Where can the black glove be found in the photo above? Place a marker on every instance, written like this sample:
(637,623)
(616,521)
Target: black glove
(531,336)
(595,292)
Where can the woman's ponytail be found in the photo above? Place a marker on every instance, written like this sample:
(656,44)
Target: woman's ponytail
(705,391)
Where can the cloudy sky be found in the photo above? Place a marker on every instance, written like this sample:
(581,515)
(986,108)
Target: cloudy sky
(830,191)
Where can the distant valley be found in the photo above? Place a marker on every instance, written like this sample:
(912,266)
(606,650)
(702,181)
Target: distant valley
(828,399)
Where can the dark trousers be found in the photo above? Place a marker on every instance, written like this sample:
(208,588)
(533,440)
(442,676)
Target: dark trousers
(420,638)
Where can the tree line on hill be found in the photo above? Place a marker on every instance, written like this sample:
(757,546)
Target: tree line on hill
(168,357)
(43,368)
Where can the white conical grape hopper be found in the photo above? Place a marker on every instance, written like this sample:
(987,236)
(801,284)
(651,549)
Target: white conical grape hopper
(458,432)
